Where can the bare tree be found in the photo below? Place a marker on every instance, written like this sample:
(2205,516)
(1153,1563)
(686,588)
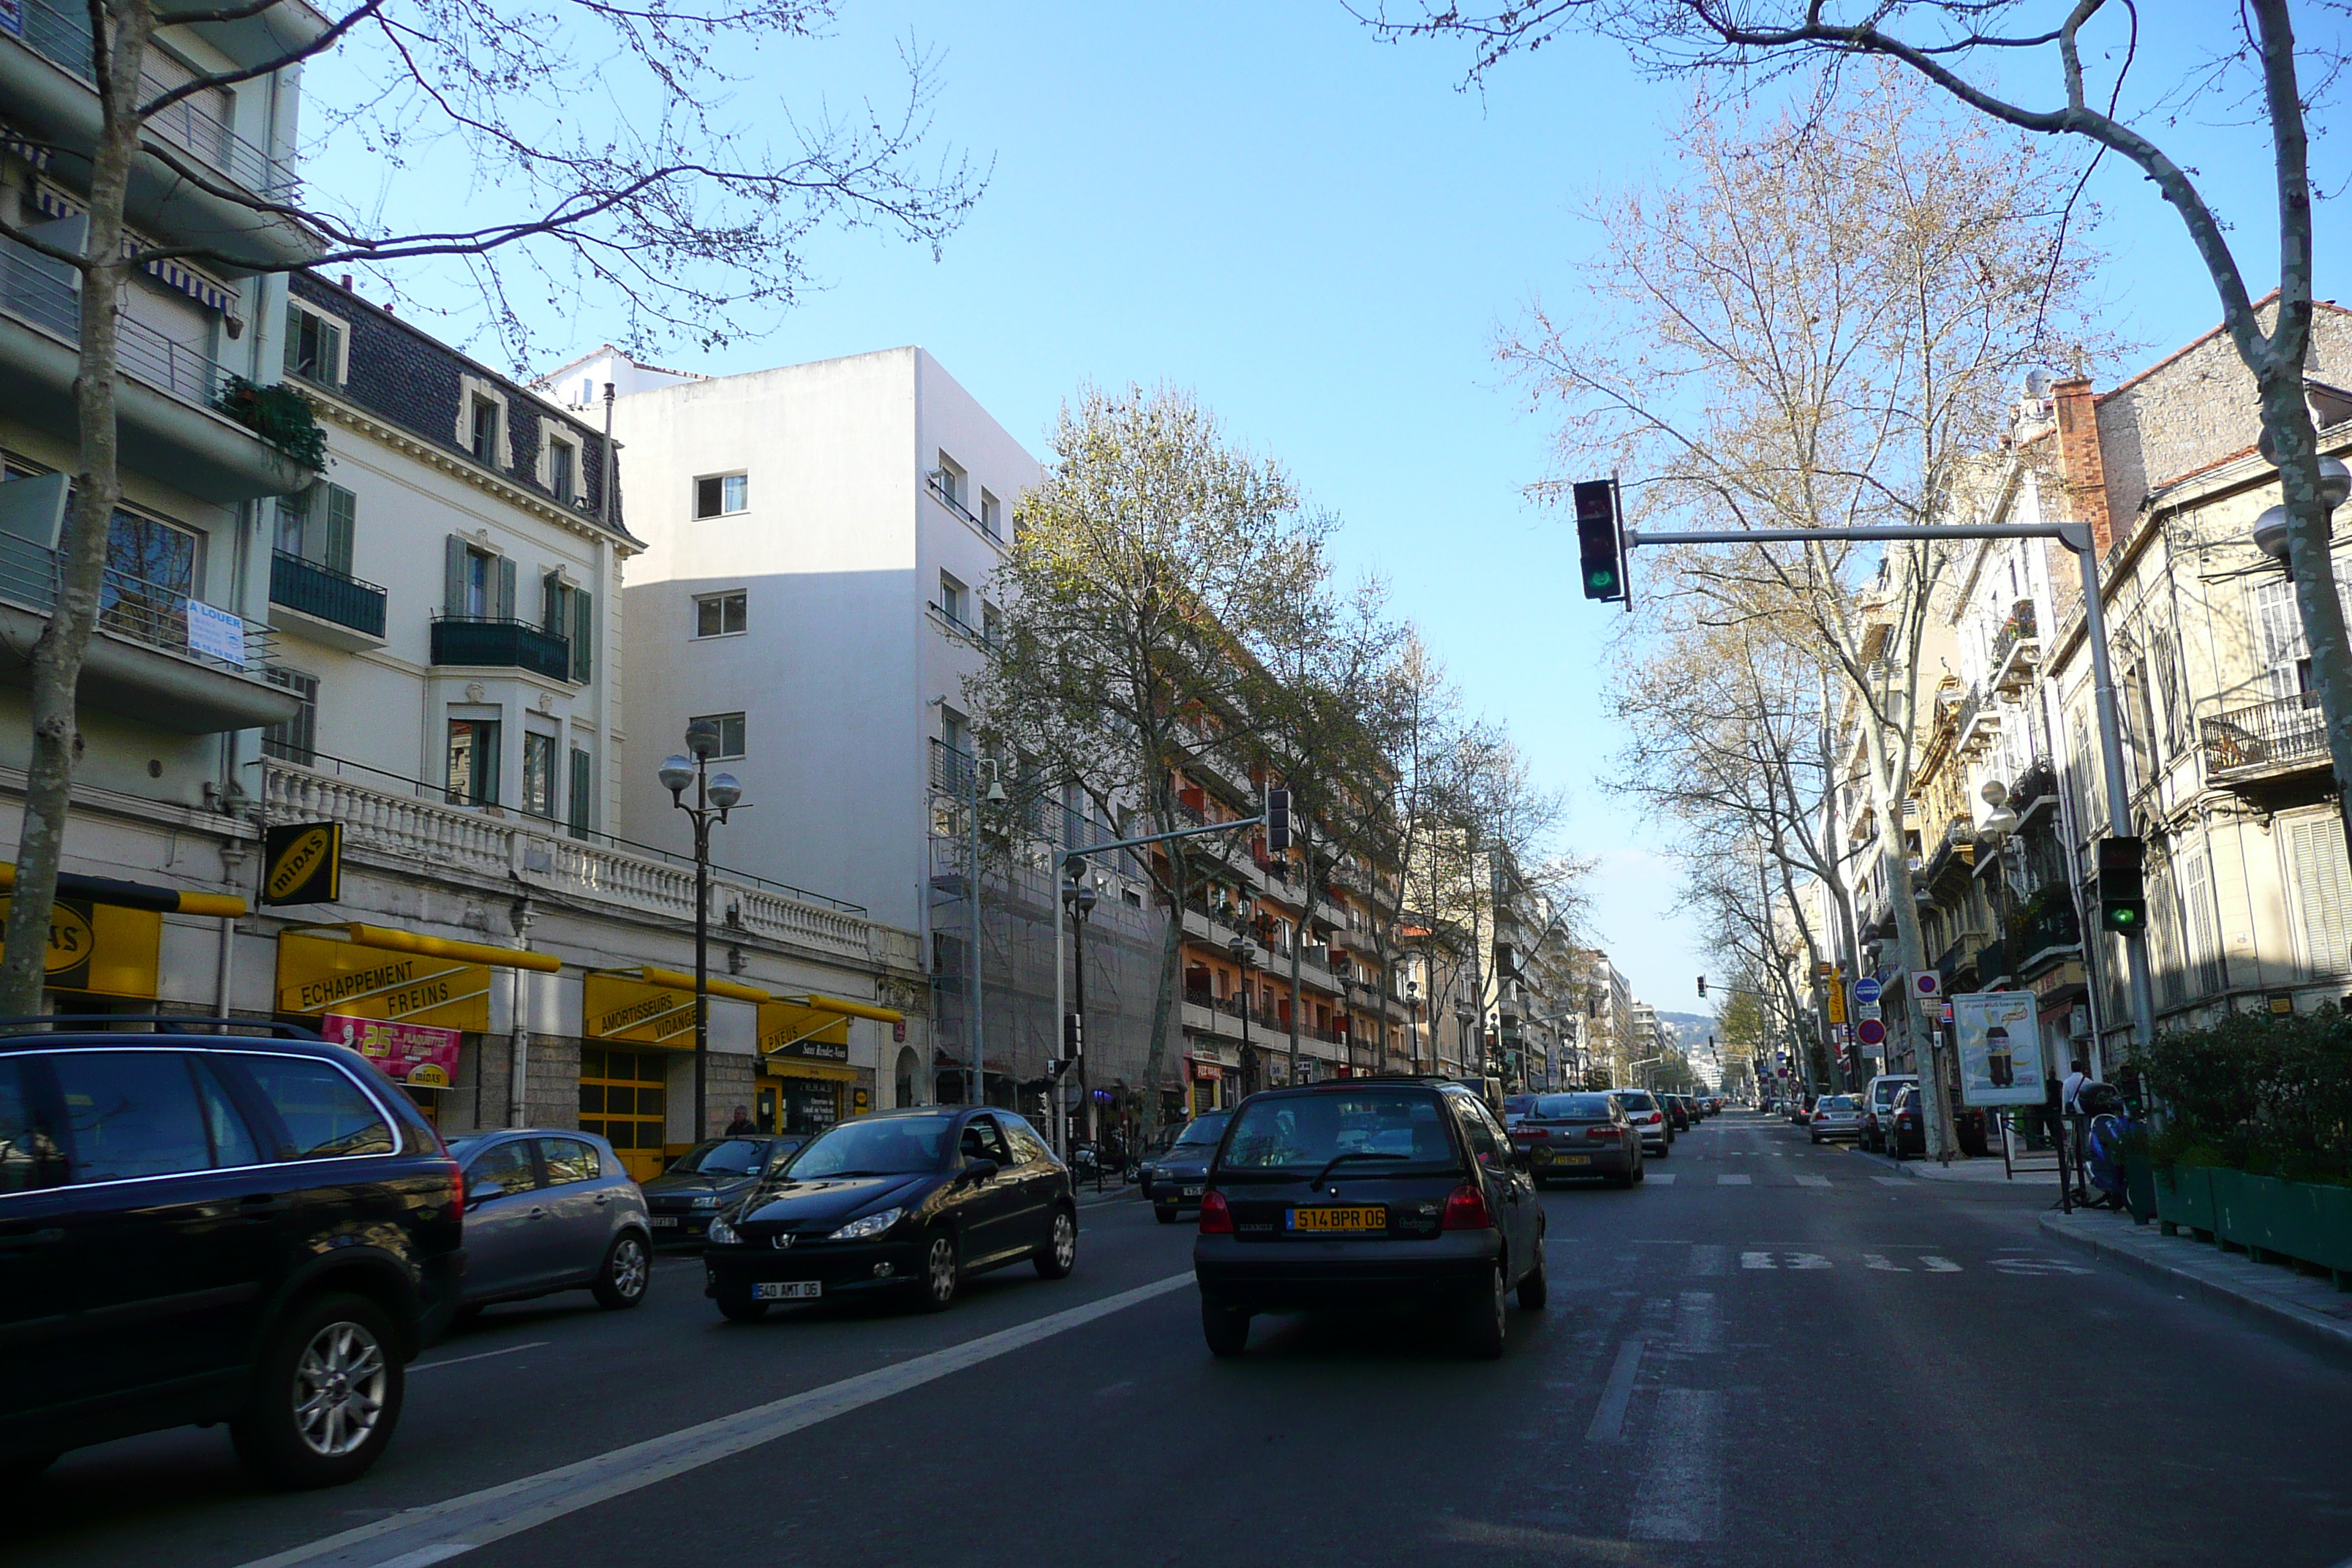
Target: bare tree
(689,224)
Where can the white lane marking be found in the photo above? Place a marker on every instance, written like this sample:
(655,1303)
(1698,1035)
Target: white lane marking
(479,1517)
(1890,1181)
(2036,1266)
(484,1355)
(1680,1495)
(1807,1260)
(1698,1330)
(1609,1421)
(1657,1181)
(1936,1265)
(1756,1261)
(1812,1181)
(1876,1261)
(1734,1181)
(1708,1261)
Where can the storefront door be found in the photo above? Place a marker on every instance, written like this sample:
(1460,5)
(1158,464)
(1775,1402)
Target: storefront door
(621,1100)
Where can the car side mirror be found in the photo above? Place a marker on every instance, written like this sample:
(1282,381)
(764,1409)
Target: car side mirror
(979,1171)
(485,1193)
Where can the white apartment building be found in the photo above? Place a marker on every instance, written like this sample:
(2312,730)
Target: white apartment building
(819,543)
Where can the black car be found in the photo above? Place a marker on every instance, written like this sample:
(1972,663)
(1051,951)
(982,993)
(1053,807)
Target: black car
(1174,1180)
(709,1178)
(906,1199)
(1360,1193)
(200,1228)
(1678,1111)
(1907,1129)
(1570,1135)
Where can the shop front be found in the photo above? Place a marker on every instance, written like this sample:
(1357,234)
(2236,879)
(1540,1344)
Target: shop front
(636,1031)
(105,939)
(806,1083)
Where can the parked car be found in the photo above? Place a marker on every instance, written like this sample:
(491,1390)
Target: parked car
(1878,1107)
(1800,1108)
(1907,1129)
(549,1210)
(1649,1120)
(1836,1116)
(711,1176)
(254,1227)
(1515,1106)
(1351,1194)
(1568,1135)
(912,1200)
(1173,1180)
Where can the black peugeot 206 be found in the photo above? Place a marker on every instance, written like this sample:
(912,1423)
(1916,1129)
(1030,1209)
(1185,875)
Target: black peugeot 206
(908,1200)
(1368,1192)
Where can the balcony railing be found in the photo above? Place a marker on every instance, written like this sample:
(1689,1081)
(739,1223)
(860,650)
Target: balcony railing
(2286,732)
(321,591)
(141,612)
(947,498)
(63,36)
(500,644)
(36,289)
(2017,632)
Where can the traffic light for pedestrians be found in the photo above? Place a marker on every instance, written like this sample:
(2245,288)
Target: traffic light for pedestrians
(2123,892)
(1597,540)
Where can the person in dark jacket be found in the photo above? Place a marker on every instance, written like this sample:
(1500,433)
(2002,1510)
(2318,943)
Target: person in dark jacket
(742,1124)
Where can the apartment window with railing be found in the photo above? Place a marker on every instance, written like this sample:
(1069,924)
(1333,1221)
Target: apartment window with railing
(991,515)
(297,739)
(318,523)
(951,599)
(952,480)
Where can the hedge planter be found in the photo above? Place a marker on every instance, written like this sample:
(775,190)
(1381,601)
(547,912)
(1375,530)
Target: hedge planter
(2284,1222)
(2184,1199)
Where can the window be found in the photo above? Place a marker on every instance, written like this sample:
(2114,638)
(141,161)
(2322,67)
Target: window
(30,1153)
(983,1140)
(478,584)
(721,495)
(570,1160)
(317,523)
(2203,938)
(952,479)
(539,774)
(509,1165)
(951,730)
(991,515)
(580,800)
(475,600)
(722,614)
(296,739)
(485,431)
(562,468)
(991,625)
(314,345)
(326,1116)
(2322,892)
(132,1114)
(569,613)
(1027,1147)
(952,598)
(730,733)
(473,762)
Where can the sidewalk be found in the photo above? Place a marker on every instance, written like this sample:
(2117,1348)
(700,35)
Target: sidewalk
(2272,1295)
(1111,1193)
(1964,1170)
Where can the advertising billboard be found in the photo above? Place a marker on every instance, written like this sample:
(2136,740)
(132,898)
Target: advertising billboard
(1999,1040)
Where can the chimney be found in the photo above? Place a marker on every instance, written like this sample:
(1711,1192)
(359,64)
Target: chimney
(2080,465)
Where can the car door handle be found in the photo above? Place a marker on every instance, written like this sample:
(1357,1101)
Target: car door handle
(538,1214)
(603,1198)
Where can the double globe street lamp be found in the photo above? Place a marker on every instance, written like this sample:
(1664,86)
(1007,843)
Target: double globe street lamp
(715,794)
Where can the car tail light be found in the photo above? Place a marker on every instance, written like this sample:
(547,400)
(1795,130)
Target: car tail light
(1216,1219)
(1465,1209)
(1543,1132)
(1602,1135)
(457,1190)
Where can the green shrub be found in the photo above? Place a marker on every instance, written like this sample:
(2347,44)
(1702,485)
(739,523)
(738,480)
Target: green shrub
(2257,1092)
(279,414)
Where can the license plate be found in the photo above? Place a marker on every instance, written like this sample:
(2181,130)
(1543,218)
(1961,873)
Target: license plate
(664,1222)
(1191,1191)
(1576,1159)
(787,1289)
(1339,1221)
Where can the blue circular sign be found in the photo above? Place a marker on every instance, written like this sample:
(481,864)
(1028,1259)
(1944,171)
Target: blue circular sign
(1866,990)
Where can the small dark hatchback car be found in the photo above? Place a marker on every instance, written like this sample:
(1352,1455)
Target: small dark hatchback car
(201,1227)
(910,1200)
(1365,1193)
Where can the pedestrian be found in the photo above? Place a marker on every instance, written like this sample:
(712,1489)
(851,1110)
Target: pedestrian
(742,1124)
(2070,1095)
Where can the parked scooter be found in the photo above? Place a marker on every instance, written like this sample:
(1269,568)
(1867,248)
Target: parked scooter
(2109,1125)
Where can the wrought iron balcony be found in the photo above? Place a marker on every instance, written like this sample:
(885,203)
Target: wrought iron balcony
(319,590)
(2284,735)
(2017,647)
(491,643)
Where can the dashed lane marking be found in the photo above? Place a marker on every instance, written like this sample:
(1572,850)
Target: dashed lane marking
(1733,1181)
(1812,1181)
(1609,1421)
(1936,1265)
(1666,1180)
(480,1356)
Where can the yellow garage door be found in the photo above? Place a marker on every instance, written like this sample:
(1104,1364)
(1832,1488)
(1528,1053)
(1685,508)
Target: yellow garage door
(622,1101)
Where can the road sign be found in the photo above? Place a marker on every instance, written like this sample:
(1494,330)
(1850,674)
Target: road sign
(1870,1032)
(1866,990)
(1866,1010)
(1927,985)
(1837,1003)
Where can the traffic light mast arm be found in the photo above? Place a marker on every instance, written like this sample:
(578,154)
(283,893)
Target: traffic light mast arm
(2074,536)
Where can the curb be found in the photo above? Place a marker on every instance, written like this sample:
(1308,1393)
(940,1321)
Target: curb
(2312,1330)
(1089,1200)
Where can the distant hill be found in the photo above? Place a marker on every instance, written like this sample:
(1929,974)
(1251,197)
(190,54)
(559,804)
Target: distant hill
(1690,1028)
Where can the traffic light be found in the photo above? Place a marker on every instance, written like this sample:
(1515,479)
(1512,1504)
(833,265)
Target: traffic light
(1702,985)
(2123,892)
(1597,540)
(1278,821)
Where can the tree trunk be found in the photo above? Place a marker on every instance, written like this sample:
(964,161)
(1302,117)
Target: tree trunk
(98,485)
(1895,867)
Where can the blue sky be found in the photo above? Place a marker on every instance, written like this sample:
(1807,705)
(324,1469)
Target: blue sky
(1317,233)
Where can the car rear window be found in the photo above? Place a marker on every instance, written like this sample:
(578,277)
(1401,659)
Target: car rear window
(1638,1100)
(1836,1102)
(1201,1131)
(326,1116)
(1560,1107)
(1404,1127)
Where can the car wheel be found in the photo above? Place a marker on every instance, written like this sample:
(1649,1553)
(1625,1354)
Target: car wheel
(1665,1149)
(1622,1180)
(1486,1322)
(742,1309)
(941,1272)
(1164,1213)
(1534,1288)
(327,1396)
(1225,1328)
(1817,1140)
(628,1270)
(1060,1255)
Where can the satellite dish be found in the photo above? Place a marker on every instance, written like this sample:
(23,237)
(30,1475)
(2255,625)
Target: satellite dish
(2037,384)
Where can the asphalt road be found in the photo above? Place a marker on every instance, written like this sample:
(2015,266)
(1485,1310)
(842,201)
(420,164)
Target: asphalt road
(1782,1354)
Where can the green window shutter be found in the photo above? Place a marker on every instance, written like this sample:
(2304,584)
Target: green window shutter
(580,803)
(342,520)
(2322,892)
(583,636)
(506,605)
(293,357)
(453,576)
(551,603)
(331,353)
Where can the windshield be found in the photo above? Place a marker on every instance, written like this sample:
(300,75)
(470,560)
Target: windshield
(1559,1107)
(1407,1126)
(725,1157)
(1638,1100)
(888,1146)
(1201,1131)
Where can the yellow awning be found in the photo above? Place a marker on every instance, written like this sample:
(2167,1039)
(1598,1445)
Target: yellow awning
(734,990)
(850,1009)
(135,896)
(392,941)
(793,1066)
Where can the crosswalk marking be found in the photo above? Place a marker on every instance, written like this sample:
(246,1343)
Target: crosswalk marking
(1812,1181)
(1876,1261)
(1660,1181)
(1928,1262)
(1940,1265)
(1756,1260)
(1888,1181)
(1732,1180)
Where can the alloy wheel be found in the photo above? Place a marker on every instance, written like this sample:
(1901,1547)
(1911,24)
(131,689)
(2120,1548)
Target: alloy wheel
(630,1266)
(939,1270)
(339,1385)
(1065,1243)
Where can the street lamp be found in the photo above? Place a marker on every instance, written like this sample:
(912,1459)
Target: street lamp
(1245,951)
(1413,1023)
(1464,1014)
(715,794)
(974,1092)
(1079,899)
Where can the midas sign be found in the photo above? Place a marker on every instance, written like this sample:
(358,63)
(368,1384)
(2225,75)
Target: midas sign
(302,863)
(105,950)
(316,974)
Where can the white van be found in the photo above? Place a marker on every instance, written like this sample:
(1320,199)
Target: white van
(1878,1107)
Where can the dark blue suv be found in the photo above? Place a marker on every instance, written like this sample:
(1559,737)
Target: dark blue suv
(231,1227)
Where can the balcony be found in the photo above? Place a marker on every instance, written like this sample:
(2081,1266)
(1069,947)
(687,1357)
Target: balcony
(157,657)
(2016,650)
(169,402)
(2266,740)
(486,642)
(46,78)
(1977,723)
(309,599)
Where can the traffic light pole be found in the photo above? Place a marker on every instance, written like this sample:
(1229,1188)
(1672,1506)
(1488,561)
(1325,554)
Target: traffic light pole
(2074,536)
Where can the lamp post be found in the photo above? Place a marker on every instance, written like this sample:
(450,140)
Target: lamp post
(1464,1013)
(715,794)
(1244,952)
(1079,899)
(1413,1025)
(974,1092)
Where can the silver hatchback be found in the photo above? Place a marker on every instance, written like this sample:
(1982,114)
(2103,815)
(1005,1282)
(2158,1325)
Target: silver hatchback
(1836,1116)
(549,1210)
